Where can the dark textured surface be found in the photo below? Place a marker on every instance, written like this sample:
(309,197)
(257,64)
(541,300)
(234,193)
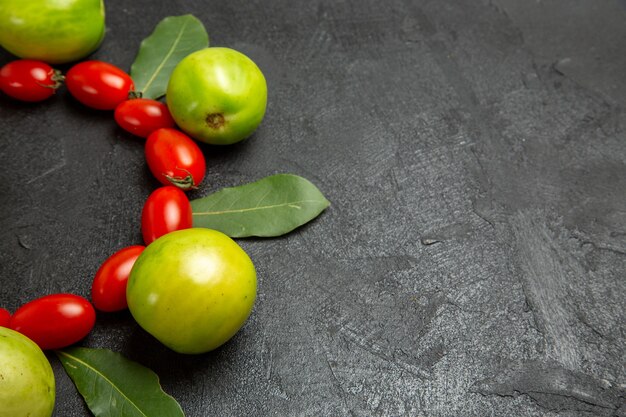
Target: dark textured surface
(472,262)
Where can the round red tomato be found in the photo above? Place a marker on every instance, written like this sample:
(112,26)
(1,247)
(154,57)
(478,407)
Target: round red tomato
(54,321)
(142,116)
(98,84)
(5,317)
(167,209)
(175,159)
(29,80)
(108,292)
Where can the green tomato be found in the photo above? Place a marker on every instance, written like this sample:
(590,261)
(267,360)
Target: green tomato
(53,31)
(217,96)
(26,378)
(192,289)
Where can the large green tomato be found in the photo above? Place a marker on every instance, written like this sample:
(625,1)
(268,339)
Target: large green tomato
(192,289)
(54,31)
(26,378)
(217,96)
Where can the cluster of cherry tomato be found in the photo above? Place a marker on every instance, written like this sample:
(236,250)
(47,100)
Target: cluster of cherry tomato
(59,320)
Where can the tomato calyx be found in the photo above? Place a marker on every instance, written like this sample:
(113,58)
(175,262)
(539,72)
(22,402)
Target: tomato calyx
(58,78)
(132,94)
(185,183)
(182,183)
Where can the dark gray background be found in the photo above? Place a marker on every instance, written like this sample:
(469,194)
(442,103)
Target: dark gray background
(472,261)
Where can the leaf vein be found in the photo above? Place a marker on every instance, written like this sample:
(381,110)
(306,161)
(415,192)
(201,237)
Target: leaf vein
(167,56)
(258,204)
(228,211)
(95,371)
(216,201)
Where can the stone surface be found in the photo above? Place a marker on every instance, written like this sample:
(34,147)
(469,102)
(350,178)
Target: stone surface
(472,261)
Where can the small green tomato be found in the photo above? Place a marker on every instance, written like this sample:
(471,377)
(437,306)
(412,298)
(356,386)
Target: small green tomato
(192,289)
(217,96)
(26,378)
(53,31)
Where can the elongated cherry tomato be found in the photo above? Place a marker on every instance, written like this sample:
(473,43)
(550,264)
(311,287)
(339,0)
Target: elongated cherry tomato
(108,292)
(143,116)
(5,317)
(29,80)
(175,159)
(98,84)
(54,321)
(167,209)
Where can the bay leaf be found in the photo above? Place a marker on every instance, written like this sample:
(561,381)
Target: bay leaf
(174,38)
(114,386)
(272,206)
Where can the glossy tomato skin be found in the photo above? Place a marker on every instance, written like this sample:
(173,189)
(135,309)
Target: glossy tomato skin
(54,321)
(175,159)
(98,84)
(108,292)
(217,95)
(27,386)
(29,80)
(167,209)
(143,116)
(192,289)
(52,31)
(5,317)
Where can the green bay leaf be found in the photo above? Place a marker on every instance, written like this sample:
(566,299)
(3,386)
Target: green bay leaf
(174,38)
(114,386)
(272,206)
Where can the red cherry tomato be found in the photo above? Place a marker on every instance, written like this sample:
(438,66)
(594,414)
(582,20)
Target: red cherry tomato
(108,292)
(167,209)
(175,159)
(54,321)
(5,317)
(142,116)
(98,84)
(29,80)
